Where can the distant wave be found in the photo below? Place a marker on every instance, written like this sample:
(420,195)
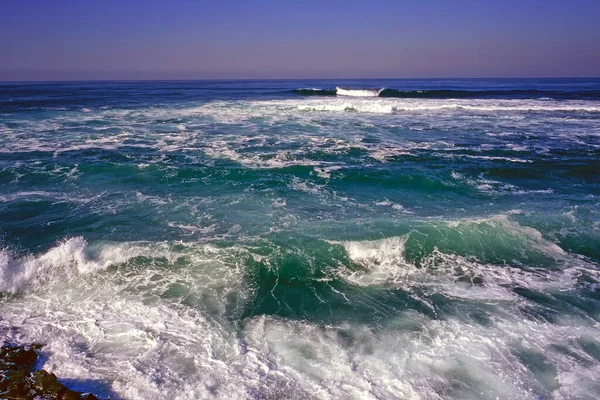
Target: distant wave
(315,92)
(454,94)
(339,92)
(358,92)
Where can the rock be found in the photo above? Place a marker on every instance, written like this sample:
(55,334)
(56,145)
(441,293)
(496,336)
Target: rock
(68,394)
(17,382)
(18,357)
(46,383)
(14,384)
(11,378)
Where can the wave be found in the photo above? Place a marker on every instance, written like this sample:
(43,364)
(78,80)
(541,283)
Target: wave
(455,94)
(338,91)
(493,94)
(315,92)
(67,259)
(358,92)
(230,310)
(73,259)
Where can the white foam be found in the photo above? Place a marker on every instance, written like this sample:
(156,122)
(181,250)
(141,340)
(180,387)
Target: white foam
(385,153)
(325,172)
(306,186)
(65,260)
(194,128)
(156,200)
(497,158)
(387,106)
(266,159)
(194,229)
(73,257)
(279,203)
(376,108)
(416,358)
(153,332)
(322,173)
(494,187)
(383,263)
(28,194)
(117,328)
(383,258)
(358,92)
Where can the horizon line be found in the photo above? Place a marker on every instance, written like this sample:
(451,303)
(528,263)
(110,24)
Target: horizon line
(283,79)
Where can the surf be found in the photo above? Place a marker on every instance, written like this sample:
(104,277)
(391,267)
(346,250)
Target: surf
(279,239)
(515,94)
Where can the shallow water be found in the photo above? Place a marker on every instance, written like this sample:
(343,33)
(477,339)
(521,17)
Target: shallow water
(262,239)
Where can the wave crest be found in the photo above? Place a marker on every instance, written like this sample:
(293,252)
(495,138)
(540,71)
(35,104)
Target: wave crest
(358,92)
(454,94)
(68,258)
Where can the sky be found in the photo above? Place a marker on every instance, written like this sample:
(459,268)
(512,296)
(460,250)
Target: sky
(269,39)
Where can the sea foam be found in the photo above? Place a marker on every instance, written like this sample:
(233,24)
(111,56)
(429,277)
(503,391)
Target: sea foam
(358,92)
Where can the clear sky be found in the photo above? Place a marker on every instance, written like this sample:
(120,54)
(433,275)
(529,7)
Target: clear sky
(196,39)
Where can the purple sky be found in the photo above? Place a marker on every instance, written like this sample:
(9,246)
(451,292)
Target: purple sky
(187,39)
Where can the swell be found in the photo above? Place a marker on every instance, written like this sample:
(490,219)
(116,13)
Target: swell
(457,94)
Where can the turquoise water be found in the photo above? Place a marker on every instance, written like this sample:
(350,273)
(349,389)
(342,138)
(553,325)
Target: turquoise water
(265,239)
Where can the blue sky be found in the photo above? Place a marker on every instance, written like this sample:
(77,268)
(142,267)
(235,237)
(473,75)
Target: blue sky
(186,39)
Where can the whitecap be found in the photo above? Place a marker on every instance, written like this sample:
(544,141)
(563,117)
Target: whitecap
(358,92)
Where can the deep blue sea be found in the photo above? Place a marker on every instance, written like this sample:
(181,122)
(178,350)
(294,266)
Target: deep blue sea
(326,239)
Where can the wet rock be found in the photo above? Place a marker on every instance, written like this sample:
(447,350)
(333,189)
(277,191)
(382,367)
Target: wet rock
(68,394)
(46,383)
(14,384)
(18,382)
(18,357)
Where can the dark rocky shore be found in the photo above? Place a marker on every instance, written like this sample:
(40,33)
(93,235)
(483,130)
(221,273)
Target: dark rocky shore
(18,381)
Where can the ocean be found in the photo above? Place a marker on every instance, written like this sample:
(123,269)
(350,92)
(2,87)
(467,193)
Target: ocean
(312,239)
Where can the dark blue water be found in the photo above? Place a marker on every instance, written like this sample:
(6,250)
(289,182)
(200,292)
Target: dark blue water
(305,239)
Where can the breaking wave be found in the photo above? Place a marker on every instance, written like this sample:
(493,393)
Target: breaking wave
(358,92)
(255,320)
(454,94)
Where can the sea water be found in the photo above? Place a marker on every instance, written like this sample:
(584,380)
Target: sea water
(426,239)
